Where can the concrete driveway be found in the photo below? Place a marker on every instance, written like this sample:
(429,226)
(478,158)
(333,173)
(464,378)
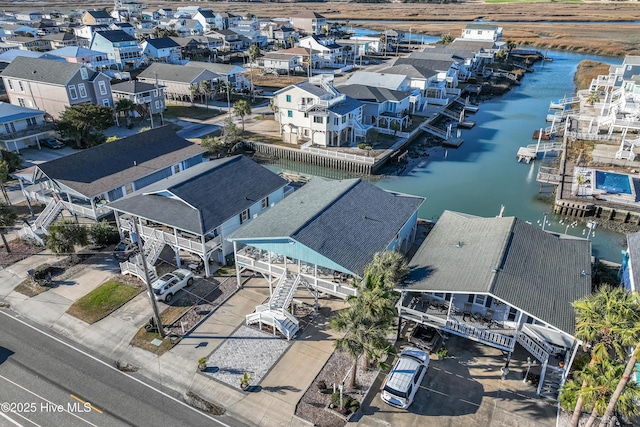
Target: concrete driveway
(466,390)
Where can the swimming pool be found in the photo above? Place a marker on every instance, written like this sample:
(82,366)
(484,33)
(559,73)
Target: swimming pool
(613,182)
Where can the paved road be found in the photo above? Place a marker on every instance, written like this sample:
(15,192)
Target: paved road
(45,382)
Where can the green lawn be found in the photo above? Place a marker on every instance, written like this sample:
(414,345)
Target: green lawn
(102,301)
(198,113)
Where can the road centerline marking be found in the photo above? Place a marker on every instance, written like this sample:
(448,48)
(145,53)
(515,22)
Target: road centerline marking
(73,396)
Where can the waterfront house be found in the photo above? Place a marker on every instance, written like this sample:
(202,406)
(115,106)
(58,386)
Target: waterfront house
(84,183)
(22,127)
(119,46)
(315,113)
(231,41)
(195,210)
(225,72)
(224,20)
(206,18)
(308,22)
(425,80)
(178,79)
(52,86)
(148,97)
(96,17)
(448,70)
(281,63)
(162,49)
(476,31)
(492,280)
(383,108)
(322,236)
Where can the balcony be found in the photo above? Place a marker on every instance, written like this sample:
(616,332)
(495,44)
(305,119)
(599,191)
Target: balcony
(29,131)
(175,238)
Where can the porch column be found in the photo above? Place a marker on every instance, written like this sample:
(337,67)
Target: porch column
(207,269)
(518,327)
(93,208)
(576,344)
(118,225)
(235,251)
(270,274)
(543,371)
(177,252)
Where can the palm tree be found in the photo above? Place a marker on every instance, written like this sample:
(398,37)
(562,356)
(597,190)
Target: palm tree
(593,97)
(64,235)
(123,107)
(241,109)
(383,42)
(7,219)
(292,40)
(205,90)
(193,91)
(600,323)
(446,39)
(254,53)
(388,268)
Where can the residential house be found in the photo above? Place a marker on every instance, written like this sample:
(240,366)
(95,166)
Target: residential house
(5,47)
(226,20)
(46,26)
(309,22)
(134,8)
(22,127)
(124,26)
(206,18)
(393,36)
(189,10)
(231,41)
(225,72)
(281,63)
(60,40)
(85,182)
(119,46)
(195,210)
(424,79)
(198,45)
(368,45)
(476,31)
(52,86)
(148,97)
(309,58)
(322,236)
(184,27)
(87,31)
(448,70)
(329,52)
(96,17)
(29,43)
(491,280)
(8,56)
(250,29)
(16,29)
(28,16)
(88,57)
(178,79)
(164,12)
(284,34)
(383,108)
(162,50)
(314,112)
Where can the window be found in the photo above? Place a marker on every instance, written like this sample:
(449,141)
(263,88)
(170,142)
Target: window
(31,121)
(128,189)
(344,119)
(83,73)
(21,86)
(21,102)
(317,119)
(155,93)
(264,203)
(82,90)
(105,102)
(72,92)
(335,121)
(244,216)
(288,98)
(176,168)
(306,115)
(480,299)
(103,87)
(9,127)
(289,113)
(10,82)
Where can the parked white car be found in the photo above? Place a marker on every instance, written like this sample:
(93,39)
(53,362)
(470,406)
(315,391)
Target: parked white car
(166,286)
(403,381)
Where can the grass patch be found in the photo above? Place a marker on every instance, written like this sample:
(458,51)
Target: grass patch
(102,301)
(198,113)
(225,271)
(30,288)
(142,339)
(267,139)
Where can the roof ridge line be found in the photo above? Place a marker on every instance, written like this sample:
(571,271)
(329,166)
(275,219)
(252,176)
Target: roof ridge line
(503,253)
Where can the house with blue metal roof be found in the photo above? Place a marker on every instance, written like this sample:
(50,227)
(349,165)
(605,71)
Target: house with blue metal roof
(314,112)
(195,210)
(321,237)
(504,283)
(21,127)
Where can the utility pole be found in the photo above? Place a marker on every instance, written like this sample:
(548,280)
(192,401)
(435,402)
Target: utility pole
(154,305)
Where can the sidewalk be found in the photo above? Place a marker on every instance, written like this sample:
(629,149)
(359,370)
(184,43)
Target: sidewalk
(279,391)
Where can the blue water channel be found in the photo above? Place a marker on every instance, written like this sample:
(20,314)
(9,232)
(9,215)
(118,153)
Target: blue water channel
(483,173)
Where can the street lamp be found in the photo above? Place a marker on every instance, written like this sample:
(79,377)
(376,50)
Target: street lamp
(529,363)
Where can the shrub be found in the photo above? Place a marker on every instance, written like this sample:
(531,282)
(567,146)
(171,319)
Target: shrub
(102,234)
(442,352)
(349,404)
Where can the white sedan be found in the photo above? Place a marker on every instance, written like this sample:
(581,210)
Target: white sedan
(166,286)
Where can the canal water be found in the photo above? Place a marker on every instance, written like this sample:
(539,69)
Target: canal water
(483,173)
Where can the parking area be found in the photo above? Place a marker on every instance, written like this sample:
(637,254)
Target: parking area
(466,389)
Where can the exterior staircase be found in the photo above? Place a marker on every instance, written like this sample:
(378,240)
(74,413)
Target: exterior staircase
(38,229)
(274,313)
(151,251)
(552,383)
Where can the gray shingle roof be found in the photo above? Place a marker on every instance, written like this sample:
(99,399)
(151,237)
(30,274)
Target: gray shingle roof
(311,88)
(162,43)
(410,71)
(372,93)
(206,195)
(347,106)
(115,36)
(175,73)
(535,271)
(432,64)
(133,87)
(346,221)
(43,70)
(102,168)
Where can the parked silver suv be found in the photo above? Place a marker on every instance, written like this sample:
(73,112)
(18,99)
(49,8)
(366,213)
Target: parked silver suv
(403,381)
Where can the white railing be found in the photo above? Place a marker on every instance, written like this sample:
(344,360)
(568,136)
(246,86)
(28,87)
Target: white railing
(548,146)
(128,267)
(602,81)
(321,285)
(276,319)
(50,212)
(153,248)
(480,334)
(181,242)
(339,155)
(288,285)
(420,316)
(590,136)
(86,212)
(27,232)
(532,347)
(564,101)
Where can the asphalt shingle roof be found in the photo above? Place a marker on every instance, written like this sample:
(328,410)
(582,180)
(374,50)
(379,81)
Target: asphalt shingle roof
(410,71)
(205,195)
(115,36)
(372,93)
(346,221)
(175,73)
(163,43)
(347,106)
(507,258)
(133,87)
(104,167)
(43,70)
